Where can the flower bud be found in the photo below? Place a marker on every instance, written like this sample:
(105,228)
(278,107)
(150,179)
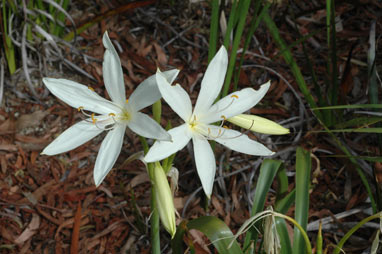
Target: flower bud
(163,199)
(258,124)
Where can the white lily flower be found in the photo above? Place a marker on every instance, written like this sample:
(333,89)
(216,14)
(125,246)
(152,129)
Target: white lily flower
(113,116)
(198,125)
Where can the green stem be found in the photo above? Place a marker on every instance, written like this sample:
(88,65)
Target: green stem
(355,228)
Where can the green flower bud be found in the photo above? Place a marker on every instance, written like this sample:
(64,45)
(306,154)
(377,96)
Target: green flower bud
(258,124)
(163,199)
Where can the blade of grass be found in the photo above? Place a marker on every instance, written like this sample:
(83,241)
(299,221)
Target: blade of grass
(355,228)
(268,172)
(303,168)
(230,24)
(213,29)
(254,24)
(243,10)
(272,28)
(332,46)
(357,167)
(7,42)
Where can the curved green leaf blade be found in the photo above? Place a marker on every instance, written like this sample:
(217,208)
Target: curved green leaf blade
(303,168)
(216,231)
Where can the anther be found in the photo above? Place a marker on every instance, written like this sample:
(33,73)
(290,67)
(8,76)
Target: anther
(80,109)
(111,114)
(127,100)
(93,119)
(224,118)
(91,88)
(234,96)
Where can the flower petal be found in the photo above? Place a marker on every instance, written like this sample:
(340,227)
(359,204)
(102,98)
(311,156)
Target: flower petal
(212,82)
(144,126)
(236,103)
(175,96)
(242,143)
(112,72)
(205,163)
(73,137)
(163,149)
(108,153)
(148,92)
(77,95)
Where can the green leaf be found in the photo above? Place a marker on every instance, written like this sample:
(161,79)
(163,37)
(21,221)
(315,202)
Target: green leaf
(268,172)
(288,57)
(303,168)
(216,231)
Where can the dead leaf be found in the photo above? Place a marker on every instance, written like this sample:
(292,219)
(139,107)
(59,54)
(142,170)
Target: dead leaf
(30,120)
(161,56)
(30,230)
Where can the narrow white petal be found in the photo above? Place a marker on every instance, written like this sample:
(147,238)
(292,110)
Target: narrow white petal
(236,103)
(108,153)
(240,142)
(77,95)
(205,163)
(212,81)
(148,92)
(144,126)
(163,149)
(175,96)
(73,137)
(112,72)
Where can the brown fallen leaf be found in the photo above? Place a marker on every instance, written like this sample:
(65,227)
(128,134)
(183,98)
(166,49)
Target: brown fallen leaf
(30,230)
(161,56)
(30,120)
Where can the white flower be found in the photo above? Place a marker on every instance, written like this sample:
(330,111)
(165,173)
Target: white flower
(113,116)
(198,123)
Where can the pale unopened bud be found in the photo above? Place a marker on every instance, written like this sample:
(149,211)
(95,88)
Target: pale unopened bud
(258,124)
(164,200)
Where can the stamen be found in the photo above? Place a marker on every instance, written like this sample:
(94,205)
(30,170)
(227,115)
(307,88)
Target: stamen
(111,114)
(234,96)
(80,109)
(93,119)
(127,100)
(225,127)
(91,88)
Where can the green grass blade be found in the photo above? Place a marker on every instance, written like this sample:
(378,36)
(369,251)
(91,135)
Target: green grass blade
(237,38)
(216,231)
(354,106)
(355,228)
(291,62)
(303,168)
(254,24)
(268,172)
(213,29)
(282,230)
(359,121)
(332,45)
(357,167)
(231,21)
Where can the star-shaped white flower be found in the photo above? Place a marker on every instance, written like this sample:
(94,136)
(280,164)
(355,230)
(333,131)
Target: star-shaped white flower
(113,116)
(198,125)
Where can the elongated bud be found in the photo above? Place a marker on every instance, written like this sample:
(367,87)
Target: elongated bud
(258,124)
(271,237)
(163,199)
